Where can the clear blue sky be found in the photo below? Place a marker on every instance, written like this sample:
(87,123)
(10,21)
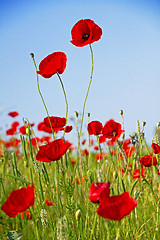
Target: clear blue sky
(126,60)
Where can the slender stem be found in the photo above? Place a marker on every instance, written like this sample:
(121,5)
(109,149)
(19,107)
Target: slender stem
(42,96)
(65,101)
(24,118)
(87,92)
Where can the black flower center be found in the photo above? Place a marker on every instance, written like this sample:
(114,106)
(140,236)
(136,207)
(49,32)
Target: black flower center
(85,36)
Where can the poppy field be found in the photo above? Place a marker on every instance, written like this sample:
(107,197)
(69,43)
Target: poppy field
(104,186)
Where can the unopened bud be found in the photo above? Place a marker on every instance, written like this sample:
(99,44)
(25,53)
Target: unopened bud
(121,112)
(78,215)
(32,55)
(76,114)
(115,174)
(27,131)
(88,114)
(143,124)
(158,124)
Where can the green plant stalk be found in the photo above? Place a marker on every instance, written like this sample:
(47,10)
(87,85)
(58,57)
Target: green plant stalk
(65,101)
(93,226)
(87,93)
(42,97)
(24,118)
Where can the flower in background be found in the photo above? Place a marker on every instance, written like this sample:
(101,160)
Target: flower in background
(156,148)
(49,203)
(52,151)
(95,128)
(112,130)
(85,152)
(138,173)
(15,124)
(148,161)
(102,139)
(85,32)
(19,200)
(83,142)
(99,190)
(52,64)
(13,114)
(128,149)
(116,207)
(11,131)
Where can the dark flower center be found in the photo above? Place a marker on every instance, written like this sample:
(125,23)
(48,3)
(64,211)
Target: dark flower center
(114,133)
(85,36)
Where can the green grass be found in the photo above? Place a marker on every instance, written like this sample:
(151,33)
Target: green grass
(56,181)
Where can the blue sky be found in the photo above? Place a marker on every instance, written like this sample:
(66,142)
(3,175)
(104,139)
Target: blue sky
(126,61)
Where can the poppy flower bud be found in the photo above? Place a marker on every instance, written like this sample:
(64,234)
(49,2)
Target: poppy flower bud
(115,174)
(32,55)
(158,124)
(143,124)
(27,131)
(76,114)
(78,215)
(121,112)
(88,114)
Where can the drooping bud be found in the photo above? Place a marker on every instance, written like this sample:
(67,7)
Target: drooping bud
(158,124)
(76,114)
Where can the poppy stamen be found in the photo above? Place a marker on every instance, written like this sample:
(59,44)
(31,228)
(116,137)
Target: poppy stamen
(114,133)
(85,36)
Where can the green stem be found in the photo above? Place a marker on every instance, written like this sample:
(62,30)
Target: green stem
(87,93)
(42,96)
(65,101)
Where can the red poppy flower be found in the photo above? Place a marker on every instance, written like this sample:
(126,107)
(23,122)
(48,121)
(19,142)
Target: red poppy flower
(13,114)
(116,207)
(13,142)
(95,128)
(148,161)
(68,129)
(98,157)
(52,64)
(42,127)
(58,123)
(128,149)
(156,148)
(11,131)
(22,130)
(73,162)
(96,148)
(112,130)
(52,151)
(85,32)
(102,139)
(83,142)
(99,190)
(49,203)
(19,200)
(85,152)
(139,172)
(14,124)
(34,141)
